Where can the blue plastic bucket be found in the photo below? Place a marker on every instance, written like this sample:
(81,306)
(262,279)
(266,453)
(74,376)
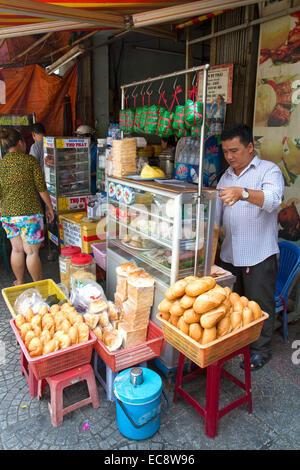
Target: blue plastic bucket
(138,394)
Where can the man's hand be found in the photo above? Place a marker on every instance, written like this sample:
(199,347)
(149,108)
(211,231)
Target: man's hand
(230,195)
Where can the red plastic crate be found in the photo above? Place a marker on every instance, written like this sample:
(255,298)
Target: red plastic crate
(58,361)
(124,358)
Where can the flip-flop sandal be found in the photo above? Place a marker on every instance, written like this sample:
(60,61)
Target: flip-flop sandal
(256,361)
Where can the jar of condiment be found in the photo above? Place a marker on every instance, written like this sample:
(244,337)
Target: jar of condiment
(82,267)
(65,262)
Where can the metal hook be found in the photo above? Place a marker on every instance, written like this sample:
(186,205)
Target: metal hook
(193,81)
(149,92)
(141,93)
(174,85)
(159,90)
(132,94)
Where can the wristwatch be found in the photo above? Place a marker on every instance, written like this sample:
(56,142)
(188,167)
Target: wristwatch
(245,194)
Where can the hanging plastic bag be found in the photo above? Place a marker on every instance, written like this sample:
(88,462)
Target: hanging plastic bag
(130,114)
(183,133)
(178,119)
(144,111)
(193,109)
(137,118)
(122,120)
(152,119)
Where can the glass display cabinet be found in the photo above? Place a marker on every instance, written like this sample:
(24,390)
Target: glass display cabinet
(153,224)
(67,175)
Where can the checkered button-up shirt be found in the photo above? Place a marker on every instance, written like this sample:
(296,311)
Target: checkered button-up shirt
(251,232)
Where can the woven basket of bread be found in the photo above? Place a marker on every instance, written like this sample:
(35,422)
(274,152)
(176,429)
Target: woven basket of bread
(205,355)
(207,322)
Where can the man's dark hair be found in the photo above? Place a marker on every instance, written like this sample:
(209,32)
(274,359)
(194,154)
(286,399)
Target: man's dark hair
(242,131)
(38,128)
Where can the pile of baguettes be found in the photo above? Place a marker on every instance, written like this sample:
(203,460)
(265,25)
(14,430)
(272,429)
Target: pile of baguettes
(204,310)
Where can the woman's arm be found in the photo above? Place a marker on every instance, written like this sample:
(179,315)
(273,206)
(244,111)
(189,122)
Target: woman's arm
(49,209)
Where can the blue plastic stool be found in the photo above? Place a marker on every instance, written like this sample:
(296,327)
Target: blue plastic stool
(289,265)
(107,379)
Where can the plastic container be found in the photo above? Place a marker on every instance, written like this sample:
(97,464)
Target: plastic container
(138,400)
(124,358)
(99,250)
(65,262)
(58,361)
(82,267)
(46,287)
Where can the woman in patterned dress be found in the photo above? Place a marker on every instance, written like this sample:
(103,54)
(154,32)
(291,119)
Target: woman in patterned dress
(21,184)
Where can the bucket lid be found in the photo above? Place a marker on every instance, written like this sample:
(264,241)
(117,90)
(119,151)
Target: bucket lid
(145,392)
(70,250)
(81,258)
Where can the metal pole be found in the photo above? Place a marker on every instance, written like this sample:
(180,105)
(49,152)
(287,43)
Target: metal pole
(201,155)
(168,75)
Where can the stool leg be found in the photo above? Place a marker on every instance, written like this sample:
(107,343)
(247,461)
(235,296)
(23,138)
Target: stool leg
(56,405)
(110,377)
(178,375)
(247,368)
(212,399)
(93,392)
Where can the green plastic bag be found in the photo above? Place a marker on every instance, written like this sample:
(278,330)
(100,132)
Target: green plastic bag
(193,113)
(144,111)
(130,114)
(152,119)
(122,119)
(164,125)
(137,118)
(178,120)
(183,133)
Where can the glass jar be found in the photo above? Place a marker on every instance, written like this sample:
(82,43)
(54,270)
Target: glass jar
(65,262)
(82,267)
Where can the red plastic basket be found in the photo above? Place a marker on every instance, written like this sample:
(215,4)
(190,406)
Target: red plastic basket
(124,358)
(99,250)
(58,361)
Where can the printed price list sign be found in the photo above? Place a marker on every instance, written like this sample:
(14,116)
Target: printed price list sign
(72,234)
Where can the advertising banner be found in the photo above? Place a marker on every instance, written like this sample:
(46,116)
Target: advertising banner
(276,126)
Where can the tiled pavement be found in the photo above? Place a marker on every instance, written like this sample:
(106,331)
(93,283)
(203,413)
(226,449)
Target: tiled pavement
(274,423)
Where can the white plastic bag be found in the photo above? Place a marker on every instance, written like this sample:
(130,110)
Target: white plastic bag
(82,296)
(30,298)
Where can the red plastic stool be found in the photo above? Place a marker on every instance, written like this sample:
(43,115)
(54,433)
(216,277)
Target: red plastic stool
(36,387)
(212,413)
(58,382)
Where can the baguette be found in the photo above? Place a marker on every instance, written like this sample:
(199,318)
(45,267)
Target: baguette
(224,326)
(176,290)
(183,326)
(209,300)
(247,316)
(234,296)
(186,301)
(211,318)
(200,286)
(164,315)
(165,306)
(236,316)
(174,320)
(190,316)
(244,301)
(195,331)
(208,335)
(254,306)
(177,309)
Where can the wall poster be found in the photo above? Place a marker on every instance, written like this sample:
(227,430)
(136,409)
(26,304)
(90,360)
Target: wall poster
(276,126)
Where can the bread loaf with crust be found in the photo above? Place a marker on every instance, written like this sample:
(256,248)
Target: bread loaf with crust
(209,300)
(211,318)
(195,288)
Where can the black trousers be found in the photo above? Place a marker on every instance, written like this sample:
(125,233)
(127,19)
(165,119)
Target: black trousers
(258,283)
